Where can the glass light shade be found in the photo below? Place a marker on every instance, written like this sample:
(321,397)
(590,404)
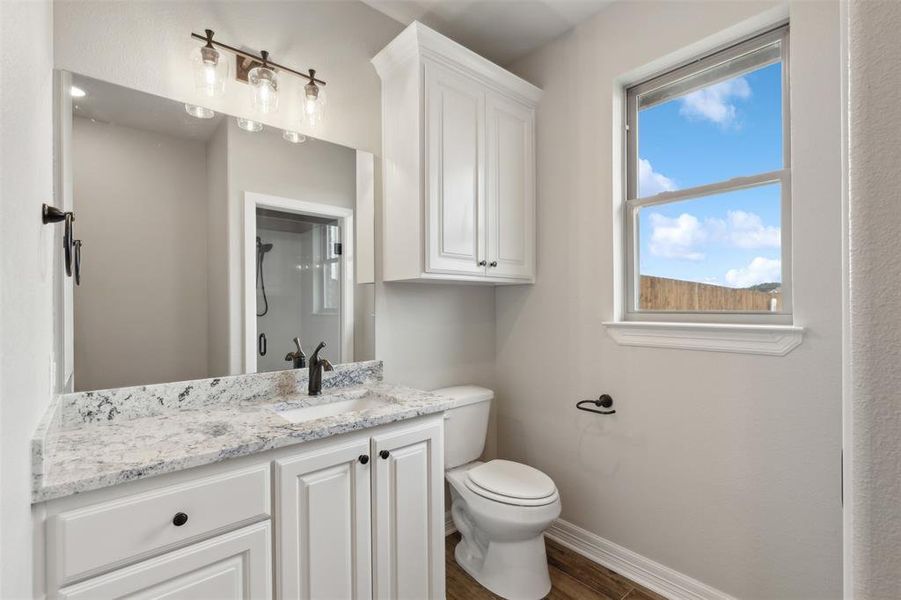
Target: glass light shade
(199,112)
(293,137)
(264,86)
(210,71)
(248,125)
(313,105)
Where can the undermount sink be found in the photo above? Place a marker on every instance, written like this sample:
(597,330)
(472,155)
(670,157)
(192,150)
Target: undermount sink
(331,408)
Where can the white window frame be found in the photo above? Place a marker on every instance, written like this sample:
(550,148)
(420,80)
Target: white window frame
(632,203)
(321,260)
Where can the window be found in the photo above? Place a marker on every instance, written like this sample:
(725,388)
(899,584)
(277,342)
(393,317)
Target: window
(328,255)
(707,205)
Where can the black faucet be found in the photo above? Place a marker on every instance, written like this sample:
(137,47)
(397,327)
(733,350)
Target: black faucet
(298,358)
(316,366)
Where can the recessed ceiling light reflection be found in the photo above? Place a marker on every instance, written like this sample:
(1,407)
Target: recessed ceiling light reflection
(199,112)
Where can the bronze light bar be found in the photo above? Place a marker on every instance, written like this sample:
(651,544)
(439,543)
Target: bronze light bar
(263,58)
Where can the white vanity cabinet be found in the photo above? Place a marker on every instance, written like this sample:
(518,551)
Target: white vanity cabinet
(363,518)
(458,145)
(354,516)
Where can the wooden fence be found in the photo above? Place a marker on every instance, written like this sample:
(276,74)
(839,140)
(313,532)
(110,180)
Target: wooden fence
(659,293)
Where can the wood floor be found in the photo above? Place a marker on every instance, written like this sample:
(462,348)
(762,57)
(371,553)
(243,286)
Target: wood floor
(573,577)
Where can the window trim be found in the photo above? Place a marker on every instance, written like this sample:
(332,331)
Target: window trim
(631,203)
(321,261)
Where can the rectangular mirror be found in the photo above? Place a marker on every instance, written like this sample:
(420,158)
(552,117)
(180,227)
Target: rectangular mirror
(207,244)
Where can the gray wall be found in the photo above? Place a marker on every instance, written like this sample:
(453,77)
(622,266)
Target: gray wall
(873,419)
(141,309)
(725,467)
(28,272)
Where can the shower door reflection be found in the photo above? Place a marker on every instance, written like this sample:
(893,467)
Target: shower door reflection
(299,264)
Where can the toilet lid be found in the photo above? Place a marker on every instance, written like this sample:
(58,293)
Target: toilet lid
(511,480)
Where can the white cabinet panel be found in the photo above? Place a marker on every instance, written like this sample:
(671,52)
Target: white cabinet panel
(232,566)
(101,536)
(323,516)
(454,142)
(409,513)
(458,161)
(510,175)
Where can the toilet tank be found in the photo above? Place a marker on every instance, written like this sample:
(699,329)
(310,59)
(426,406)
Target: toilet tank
(465,424)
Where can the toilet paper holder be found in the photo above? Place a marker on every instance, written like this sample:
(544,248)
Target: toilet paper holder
(603,401)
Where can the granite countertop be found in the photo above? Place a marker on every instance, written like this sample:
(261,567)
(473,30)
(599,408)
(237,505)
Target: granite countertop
(92,440)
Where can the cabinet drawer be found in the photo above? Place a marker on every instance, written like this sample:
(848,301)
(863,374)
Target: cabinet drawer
(233,566)
(86,541)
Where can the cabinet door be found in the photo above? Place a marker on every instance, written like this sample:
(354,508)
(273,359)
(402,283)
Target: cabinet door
(455,211)
(323,516)
(409,512)
(235,565)
(510,175)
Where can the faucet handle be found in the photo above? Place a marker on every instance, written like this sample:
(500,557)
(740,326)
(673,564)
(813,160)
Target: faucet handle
(326,365)
(297,343)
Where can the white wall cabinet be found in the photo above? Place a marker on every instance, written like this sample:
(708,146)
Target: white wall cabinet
(458,149)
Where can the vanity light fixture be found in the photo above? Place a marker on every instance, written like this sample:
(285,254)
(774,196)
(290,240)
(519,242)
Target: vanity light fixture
(77,92)
(313,102)
(249,125)
(264,87)
(293,137)
(263,78)
(199,112)
(210,73)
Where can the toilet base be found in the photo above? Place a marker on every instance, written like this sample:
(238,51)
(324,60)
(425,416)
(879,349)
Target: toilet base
(512,570)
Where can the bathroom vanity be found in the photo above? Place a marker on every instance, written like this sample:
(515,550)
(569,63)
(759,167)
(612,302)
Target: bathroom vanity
(244,487)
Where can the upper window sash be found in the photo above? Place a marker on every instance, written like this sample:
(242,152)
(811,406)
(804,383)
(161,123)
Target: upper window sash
(752,54)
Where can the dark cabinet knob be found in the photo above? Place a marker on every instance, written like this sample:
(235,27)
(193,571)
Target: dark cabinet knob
(384,454)
(493,263)
(364,459)
(482,263)
(179,519)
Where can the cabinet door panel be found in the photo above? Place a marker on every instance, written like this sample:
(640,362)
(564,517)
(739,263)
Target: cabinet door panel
(409,513)
(323,513)
(510,177)
(455,212)
(232,566)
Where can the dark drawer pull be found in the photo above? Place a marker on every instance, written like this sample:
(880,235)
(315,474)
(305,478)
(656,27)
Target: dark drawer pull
(384,454)
(179,519)
(364,459)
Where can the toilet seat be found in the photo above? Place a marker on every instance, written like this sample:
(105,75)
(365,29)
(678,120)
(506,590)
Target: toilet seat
(511,483)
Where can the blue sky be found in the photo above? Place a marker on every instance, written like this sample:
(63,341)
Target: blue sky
(729,129)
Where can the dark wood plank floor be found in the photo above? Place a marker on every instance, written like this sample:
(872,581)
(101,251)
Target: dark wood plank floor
(573,577)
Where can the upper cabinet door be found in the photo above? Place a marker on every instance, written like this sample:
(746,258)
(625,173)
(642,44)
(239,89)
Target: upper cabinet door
(323,516)
(455,109)
(510,175)
(408,557)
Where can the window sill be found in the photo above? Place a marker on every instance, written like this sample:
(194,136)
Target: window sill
(771,340)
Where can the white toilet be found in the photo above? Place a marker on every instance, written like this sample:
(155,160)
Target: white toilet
(501,508)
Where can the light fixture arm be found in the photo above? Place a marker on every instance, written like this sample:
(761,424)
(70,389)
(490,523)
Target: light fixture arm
(263,58)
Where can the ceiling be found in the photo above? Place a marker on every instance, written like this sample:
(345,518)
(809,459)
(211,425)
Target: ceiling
(117,105)
(500,30)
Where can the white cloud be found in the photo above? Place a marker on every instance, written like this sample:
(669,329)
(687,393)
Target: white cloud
(680,237)
(676,238)
(714,102)
(746,230)
(759,270)
(650,182)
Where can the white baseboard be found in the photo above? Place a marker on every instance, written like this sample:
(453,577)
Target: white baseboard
(640,569)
